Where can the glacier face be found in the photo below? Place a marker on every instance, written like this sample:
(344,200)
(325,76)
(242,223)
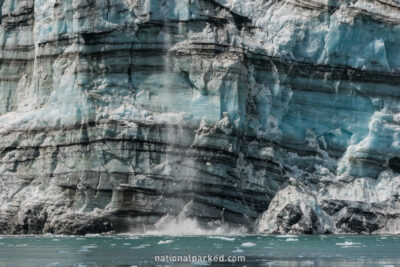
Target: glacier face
(281,116)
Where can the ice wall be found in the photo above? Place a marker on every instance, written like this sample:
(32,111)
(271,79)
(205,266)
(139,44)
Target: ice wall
(281,116)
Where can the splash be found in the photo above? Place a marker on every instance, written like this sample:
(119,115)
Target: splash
(183,226)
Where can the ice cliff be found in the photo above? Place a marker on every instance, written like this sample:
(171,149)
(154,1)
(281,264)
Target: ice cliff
(281,116)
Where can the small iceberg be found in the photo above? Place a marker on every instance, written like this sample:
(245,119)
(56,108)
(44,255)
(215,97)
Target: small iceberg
(286,236)
(86,248)
(162,242)
(237,250)
(291,239)
(225,238)
(347,244)
(141,246)
(248,244)
(201,263)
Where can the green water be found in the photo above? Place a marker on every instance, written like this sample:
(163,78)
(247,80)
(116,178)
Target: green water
(124,250)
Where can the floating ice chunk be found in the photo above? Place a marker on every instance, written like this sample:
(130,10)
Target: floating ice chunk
(141,246)
(237,250)
(291,239)
(201,263)
(86,248)
(248,244)
(347,244)
(162,242)
(225,238)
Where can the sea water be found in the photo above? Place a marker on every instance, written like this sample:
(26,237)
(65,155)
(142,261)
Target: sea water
(214,250)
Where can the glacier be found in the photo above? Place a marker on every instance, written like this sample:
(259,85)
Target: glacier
(278,116)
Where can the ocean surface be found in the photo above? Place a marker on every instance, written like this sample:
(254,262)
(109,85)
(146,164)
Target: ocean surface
(134,250)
